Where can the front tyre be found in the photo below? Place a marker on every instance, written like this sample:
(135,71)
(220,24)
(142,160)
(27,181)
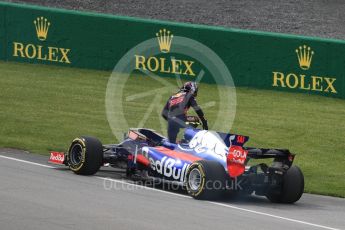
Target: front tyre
(206,180)
(85,155)
(292,187)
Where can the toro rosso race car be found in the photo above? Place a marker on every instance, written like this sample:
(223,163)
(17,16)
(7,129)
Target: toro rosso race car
(206,163)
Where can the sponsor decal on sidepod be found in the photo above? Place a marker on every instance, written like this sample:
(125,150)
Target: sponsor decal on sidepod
(168,167)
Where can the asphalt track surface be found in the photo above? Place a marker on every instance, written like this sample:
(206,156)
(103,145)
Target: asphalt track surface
(321,18)
(36,195)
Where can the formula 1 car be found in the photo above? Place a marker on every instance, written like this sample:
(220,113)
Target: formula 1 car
(206,163)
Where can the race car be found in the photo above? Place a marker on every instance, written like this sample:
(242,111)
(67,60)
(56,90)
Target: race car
(206,163)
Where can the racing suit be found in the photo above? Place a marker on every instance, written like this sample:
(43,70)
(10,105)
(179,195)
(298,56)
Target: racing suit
(175,112)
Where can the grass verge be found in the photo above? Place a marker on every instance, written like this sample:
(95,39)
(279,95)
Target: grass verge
(43,107)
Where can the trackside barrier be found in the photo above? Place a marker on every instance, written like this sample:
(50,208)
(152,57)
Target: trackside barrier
(98,41)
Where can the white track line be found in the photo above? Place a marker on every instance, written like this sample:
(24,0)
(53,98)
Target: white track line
(274,216)
(184,196)
(27,162)
(141,186)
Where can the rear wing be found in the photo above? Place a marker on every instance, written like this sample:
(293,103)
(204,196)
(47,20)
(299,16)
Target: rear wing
(259,153)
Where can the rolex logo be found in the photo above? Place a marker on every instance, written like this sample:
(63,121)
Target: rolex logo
(41,52)
(164,65)
(42,27)
(305,55)
(301,81)
(164,40)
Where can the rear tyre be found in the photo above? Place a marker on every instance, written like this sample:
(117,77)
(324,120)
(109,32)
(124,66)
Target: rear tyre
(85,155)
(292,188)
(206,180)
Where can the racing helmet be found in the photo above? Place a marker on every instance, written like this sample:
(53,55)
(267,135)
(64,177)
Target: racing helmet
(191,87)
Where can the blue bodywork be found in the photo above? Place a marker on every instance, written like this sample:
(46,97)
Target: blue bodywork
(170,161)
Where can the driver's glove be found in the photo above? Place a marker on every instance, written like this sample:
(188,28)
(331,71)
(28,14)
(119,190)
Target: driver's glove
(204,124)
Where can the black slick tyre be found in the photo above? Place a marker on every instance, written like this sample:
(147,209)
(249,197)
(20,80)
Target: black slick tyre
(85,155)
(292,187)
(206,180)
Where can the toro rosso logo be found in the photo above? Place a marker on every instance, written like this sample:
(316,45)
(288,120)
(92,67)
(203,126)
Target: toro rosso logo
(208,141)
(169,167)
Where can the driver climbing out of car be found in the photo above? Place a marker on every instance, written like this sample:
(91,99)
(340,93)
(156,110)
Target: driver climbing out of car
(176,108)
